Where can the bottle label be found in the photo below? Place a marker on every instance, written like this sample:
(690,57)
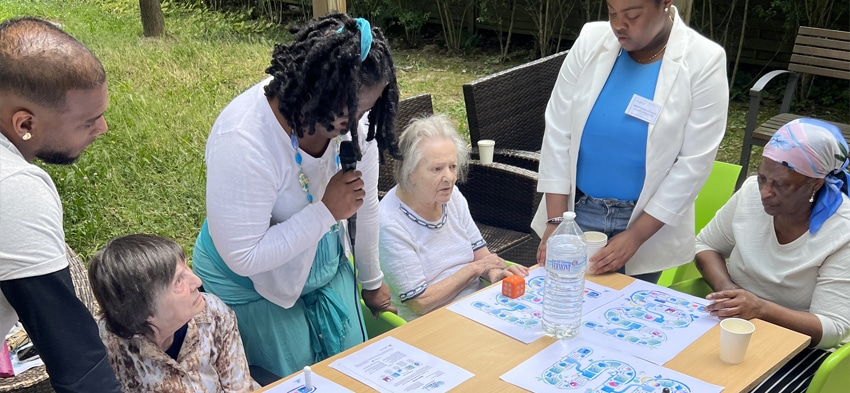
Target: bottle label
(566,265)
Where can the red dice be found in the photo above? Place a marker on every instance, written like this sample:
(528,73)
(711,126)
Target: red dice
(513,286)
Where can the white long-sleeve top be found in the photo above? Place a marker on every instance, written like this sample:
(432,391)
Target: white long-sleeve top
(258,215)
(692,90)
(811,273)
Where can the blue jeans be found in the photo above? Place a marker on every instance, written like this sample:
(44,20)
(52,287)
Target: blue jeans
(609,216)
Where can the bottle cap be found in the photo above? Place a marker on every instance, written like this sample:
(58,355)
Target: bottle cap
(569,216)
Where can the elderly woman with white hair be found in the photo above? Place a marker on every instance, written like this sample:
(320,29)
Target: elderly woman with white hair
(431,252)
(779,250)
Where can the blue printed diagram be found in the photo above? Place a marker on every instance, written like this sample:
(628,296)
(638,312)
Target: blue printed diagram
(398,370)
(524,311)
(302,389)
(578,371)
(647,316)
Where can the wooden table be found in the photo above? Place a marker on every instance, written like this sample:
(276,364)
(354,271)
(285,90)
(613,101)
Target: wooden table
(489,354)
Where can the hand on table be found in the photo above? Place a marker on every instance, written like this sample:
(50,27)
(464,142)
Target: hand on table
(541,252)
(495,275)
(344,194)
(378,300)
(737,303)
(620,249)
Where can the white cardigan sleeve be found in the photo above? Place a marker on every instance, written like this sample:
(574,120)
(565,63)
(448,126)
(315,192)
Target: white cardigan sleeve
(366,242)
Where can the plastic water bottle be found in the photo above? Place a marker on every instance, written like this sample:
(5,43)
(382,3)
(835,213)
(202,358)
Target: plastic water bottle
(563,288)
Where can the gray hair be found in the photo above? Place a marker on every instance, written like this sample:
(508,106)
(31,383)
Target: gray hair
(128,275)
(436,126)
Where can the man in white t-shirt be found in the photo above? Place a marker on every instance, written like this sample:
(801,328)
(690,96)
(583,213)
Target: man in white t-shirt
(52,98)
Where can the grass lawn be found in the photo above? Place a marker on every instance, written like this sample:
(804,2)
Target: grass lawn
(146,175)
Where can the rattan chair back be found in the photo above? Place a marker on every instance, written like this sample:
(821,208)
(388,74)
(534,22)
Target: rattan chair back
(36,380)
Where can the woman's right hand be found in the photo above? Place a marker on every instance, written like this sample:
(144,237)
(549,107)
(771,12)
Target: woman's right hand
(541,253)
(489,262)
(344,194)
(541,248)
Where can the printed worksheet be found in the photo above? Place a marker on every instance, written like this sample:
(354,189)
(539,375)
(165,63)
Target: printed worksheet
(390,365)
(577,365)
(520,318)
(319,384)
(649,321)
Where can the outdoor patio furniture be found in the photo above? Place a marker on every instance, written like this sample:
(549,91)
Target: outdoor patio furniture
(502,200)
(509,108)
(818,52)
(36,380)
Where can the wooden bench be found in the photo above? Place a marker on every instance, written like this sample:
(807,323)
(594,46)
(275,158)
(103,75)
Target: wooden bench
(818,52)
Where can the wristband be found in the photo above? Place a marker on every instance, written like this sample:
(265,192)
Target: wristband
(555,220)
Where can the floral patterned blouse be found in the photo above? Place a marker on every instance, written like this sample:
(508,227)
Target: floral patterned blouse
(211,359)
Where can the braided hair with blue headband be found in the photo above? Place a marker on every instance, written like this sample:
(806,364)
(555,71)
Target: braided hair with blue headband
(320,73)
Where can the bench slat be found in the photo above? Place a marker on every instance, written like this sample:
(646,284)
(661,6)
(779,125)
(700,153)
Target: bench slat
(829,64)
(821,43)
(820,53)
(805,69)
(818,32)
(766,130)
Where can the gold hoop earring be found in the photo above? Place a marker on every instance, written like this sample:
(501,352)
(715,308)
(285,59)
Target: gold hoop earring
(26,136)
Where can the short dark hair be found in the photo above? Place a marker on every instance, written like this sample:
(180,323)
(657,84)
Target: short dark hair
(40,62)
(319,74)
(128,275)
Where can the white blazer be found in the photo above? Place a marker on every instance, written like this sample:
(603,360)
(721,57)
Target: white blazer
(692,90)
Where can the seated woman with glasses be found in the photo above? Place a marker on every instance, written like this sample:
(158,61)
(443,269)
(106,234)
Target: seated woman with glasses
(161,333)
(779,250)
(430,249)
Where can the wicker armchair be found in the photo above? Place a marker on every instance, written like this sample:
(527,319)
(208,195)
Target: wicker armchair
(509,107)
(36,380)
(502,200)
(408,109)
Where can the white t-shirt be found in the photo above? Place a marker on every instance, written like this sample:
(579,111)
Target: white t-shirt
(416,253)
(258,215)
(811,273)
(32,241)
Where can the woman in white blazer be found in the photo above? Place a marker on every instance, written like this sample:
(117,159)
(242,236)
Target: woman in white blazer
(683,114)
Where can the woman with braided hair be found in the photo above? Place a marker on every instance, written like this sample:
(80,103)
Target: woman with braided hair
(274,245)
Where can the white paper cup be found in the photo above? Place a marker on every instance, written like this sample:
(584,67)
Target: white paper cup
(485,151)
(735,336)
(595,242)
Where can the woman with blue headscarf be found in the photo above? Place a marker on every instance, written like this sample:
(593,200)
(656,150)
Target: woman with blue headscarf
(779,250)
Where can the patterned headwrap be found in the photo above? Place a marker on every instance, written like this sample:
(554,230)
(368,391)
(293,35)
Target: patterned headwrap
(815,149)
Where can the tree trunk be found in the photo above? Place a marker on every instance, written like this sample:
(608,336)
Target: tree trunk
(153,23)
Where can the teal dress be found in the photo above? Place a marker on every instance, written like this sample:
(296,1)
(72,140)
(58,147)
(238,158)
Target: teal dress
(324,321)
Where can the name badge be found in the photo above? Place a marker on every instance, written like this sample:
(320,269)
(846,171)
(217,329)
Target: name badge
(643,109)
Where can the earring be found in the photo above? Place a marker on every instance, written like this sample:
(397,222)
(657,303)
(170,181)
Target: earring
(26,136)
(812,199)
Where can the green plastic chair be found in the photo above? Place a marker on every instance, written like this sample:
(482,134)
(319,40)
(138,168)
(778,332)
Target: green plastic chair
(695,286)
(385,322)
(833,375)
(717,190)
